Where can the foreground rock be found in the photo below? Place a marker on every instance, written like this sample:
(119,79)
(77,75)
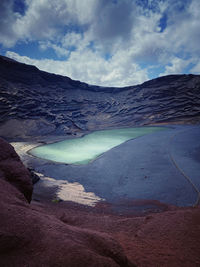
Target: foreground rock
(64,234)
(13,172)
(169,239)
(31,236)
(35,102)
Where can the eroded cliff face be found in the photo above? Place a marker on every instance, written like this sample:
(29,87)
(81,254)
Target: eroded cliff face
(35,103)
(31,236)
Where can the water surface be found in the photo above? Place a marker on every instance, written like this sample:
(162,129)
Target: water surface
(89,147)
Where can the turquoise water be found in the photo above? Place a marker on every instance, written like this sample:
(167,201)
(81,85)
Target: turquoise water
(85,149)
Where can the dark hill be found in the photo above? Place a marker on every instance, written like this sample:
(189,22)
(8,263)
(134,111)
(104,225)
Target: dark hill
(34,102)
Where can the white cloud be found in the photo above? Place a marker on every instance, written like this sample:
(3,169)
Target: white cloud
(176,66)
(128,34)
(91,68)
(43,19)
(182,32)
(60,51)
(196,68)
(72,39)
(8,36)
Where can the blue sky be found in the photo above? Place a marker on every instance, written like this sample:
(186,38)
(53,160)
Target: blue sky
(103,42)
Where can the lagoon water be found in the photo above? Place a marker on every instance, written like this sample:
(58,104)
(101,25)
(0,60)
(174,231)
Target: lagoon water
(89,147)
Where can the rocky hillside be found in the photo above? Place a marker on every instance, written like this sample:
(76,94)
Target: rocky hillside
(33,102)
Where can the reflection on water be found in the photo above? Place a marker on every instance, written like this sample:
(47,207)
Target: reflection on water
(83,150)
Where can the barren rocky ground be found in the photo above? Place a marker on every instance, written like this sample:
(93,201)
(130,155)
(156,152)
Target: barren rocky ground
(35,103)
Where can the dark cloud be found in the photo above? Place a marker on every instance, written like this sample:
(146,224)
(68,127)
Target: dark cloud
(114,19)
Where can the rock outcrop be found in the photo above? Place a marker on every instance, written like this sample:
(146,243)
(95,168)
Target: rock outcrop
(35,102)
(13,172)
(29,236)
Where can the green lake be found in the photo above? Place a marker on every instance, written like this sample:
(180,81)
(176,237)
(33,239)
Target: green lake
(89,147)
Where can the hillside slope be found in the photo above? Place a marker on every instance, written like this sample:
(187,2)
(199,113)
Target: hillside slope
(34,102)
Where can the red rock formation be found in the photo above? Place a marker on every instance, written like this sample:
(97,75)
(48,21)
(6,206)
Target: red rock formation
(30,236)
(168,239)
(13,171)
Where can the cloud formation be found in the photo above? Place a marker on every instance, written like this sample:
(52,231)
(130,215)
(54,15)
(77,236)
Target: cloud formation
(106,42)
(8,18)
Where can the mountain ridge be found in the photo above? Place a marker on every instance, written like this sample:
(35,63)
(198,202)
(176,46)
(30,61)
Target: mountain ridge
(39,103)
(10,62)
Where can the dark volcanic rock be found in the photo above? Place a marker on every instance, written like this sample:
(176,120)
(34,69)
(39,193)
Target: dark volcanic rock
(13,171)
(34,177)
(29,236)
(39,103)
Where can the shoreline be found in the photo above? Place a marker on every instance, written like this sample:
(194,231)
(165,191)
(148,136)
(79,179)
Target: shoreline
(59,184)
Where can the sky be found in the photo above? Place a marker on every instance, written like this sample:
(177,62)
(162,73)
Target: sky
(103,42)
